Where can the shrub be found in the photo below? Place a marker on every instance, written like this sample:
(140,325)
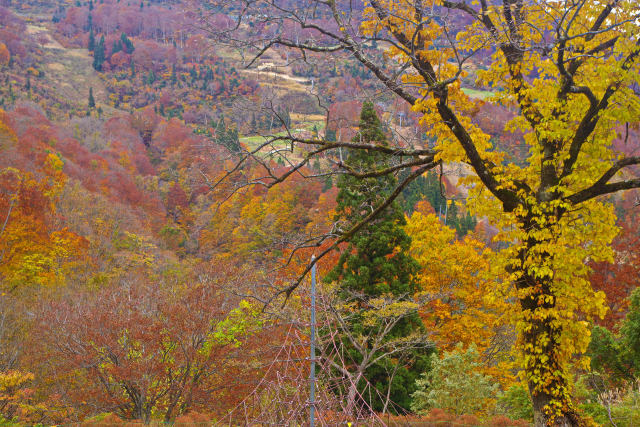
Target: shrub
(516,403)
(455,385)
(627,412)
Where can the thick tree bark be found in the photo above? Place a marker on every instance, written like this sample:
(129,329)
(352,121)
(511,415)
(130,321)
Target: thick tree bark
(568,419)
(547,381)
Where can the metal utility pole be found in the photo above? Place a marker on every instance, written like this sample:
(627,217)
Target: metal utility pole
(312,376)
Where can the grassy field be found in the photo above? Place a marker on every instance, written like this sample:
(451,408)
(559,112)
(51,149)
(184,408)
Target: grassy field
(301,123)
(69,72)
(477,94)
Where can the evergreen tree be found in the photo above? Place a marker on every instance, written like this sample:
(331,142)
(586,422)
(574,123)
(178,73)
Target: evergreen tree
(117,47)
(429,187)
(92,101)
(92,41)
(227,136)
(174,77)
(376,263)
(151,78)
(424,187)
(330,135)
(126,44)
(254,123)
(98,55)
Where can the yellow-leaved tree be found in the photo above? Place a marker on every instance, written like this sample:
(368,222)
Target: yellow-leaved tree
(568,70)
(466,304)
(33,250)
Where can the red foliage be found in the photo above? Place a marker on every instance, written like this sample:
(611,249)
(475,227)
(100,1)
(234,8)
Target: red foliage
(176,199)
(344,114)
(141,347)
(120,60)
(618,279)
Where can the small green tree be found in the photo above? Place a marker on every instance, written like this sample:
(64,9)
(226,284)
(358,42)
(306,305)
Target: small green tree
(455,385)
(630,332)
(98,55)
(92,41)
(618,356)
(126,43)
(516,403)
(117,47)
(374,265)
(92,101)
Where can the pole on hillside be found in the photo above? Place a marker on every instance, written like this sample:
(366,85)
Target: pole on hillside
(312,376)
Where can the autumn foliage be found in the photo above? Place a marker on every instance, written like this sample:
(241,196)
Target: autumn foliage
(148,246)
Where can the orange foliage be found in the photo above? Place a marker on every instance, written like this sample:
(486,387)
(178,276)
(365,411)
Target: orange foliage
(34,251)
(5,55)
(464,308)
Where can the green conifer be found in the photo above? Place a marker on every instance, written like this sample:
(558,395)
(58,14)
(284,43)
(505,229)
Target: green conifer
(376,261)
(126,44)
(98,55)
(92,101)
(174,75)
(117,47)
(92,41)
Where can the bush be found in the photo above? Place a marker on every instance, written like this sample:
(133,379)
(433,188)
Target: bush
(455,385)
(516,403)
(627,412)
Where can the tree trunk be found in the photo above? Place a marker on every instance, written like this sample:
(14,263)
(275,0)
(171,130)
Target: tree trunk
(568,419)
(544,364)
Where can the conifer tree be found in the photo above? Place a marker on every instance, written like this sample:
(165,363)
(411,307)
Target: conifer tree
(92,101)
(98,55)
(126,44)
(92,41)
(376,263)
(227,136)
(117,47)
(174,75)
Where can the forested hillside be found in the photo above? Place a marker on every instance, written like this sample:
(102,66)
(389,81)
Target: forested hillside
(458,179)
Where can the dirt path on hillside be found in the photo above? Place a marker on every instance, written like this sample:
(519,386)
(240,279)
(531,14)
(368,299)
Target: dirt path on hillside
(278,74)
